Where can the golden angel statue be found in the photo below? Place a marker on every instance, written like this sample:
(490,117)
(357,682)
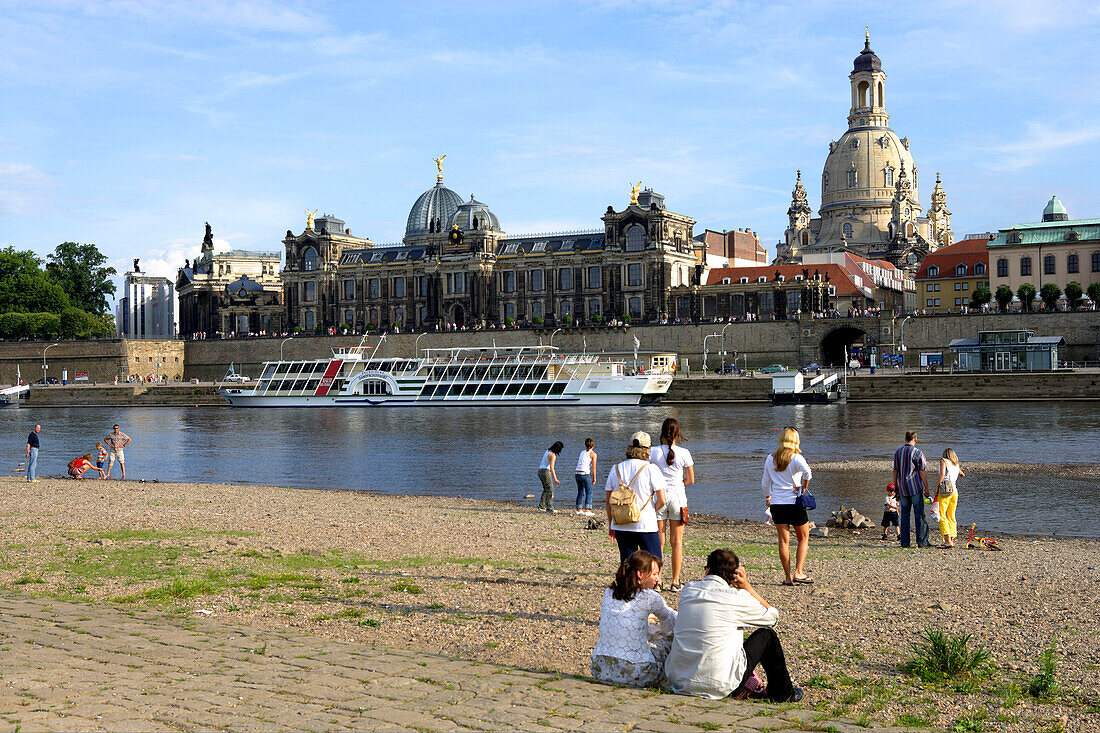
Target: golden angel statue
(634,188)
(309,218)
(439,166)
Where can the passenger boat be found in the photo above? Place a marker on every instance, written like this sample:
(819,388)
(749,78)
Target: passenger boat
(462,377)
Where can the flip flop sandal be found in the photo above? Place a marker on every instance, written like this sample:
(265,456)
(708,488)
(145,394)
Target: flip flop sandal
(786,583)
(804,581)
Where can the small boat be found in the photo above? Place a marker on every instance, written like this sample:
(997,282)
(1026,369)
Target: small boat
(14,396)
(455,377)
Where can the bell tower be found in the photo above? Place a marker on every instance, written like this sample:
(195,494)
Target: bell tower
(868,90)
(799,236)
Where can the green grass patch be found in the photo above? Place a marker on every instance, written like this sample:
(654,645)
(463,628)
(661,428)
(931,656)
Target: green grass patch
(259,581)
(370,622)
(939,656)
(912,720)
(176,590)
(970,723)
(1044,685)
(28,579)
(406,586)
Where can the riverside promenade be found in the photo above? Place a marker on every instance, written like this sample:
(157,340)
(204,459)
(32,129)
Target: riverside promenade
(88,667)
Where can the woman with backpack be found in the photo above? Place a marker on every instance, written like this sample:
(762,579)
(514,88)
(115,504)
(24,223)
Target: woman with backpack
(947,496)
(635,491)
(674,461)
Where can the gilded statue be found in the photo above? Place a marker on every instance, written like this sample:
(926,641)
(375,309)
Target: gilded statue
(634,188)
(309,218)
(439,166)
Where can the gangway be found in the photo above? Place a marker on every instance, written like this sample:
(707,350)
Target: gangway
(12,396)
(792,388)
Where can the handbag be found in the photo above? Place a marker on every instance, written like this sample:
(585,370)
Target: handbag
(806,501)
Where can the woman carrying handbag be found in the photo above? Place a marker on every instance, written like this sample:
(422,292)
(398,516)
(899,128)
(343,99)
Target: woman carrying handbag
(785,483)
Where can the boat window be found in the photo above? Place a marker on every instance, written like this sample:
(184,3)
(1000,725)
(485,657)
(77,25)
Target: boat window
(483,389)
(498,389)
(557,388)
(527,388)
(376,387)
(469,389)
(513,389)
(542,388)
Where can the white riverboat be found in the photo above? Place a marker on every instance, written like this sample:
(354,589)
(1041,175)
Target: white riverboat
(463,377)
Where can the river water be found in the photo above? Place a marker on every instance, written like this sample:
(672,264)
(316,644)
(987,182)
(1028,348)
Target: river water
(494,452)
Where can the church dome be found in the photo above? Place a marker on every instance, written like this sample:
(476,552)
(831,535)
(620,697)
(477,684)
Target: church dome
(432,211)
(474,215)
(867,60)
(243,287)
(1055,211)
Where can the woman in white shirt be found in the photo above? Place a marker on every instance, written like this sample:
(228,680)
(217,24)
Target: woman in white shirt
(585,475)
(630,650)
(648,485)
(675,463)
(947,496)
(786,476)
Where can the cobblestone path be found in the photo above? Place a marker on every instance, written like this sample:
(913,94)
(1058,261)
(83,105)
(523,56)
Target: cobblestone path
(83,667)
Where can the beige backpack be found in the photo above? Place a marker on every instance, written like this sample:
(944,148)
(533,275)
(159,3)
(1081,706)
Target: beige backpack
(624,502)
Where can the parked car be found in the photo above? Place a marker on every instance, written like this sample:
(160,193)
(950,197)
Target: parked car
(773,368)
(236,378)
(812,367)
(729,369)
(47,380)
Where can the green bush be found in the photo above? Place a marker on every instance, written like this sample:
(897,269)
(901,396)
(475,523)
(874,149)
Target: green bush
(1004,296)
(626,318)
(1026,293)
(939,656)
(1073,295)
(1050,295)
(372,327)
(346,327)
(509,321)
(1094,292)
(537,320)
(597,319)
(980,297)
(1044,685)
(567,319)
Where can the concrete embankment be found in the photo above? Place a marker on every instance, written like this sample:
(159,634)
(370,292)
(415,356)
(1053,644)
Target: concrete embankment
(124,395)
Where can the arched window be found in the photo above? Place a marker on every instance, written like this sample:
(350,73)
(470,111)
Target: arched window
(635,238)
(1048,265)
(1096,261)
(979,269)
(960,270)
(567,308)
(374,316)
(1002,267)
(847,229)
(881,99)
(852,178)
(1073,264)
(1025,266)
(824,182)
(536,309)
(863,86)
(399,316)
(805,239)
(509,310)
(933,271)
(309,260)
(634,306)
(889,178)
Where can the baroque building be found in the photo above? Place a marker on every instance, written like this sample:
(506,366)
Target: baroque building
(870,201)
(234,292)
(456,267)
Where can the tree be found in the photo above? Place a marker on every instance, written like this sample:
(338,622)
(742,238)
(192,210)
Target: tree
(75,323)
(1050,295)
(981,296)
(1026,294)
(1094,293)
(79,270)
(31,293)
(1004,296)
(1073,294)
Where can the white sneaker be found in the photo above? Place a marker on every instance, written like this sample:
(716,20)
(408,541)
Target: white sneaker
(590,513)
(580,513)
(551,511)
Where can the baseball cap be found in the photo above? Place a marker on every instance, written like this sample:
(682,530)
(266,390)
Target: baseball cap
(641,438)
(891,486)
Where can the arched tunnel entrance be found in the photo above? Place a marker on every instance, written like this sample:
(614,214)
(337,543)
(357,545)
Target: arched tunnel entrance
(837,340)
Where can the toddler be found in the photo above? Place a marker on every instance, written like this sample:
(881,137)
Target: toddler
(890,511)
(100,456)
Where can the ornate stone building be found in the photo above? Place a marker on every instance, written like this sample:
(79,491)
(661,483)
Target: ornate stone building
(870,203)
(230,292)
(457,267)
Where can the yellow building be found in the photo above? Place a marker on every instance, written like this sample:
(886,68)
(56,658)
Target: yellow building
(948,277)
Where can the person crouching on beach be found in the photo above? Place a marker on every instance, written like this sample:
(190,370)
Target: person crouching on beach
(631,650)
(79,466)
(890,511)
(637,476)
(786,476)
(548,474)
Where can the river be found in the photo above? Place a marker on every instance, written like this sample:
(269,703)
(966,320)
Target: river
(494,452)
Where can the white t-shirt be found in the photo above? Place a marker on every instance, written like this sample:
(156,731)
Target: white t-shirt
(584,462)
(624,625)
(784,486)
(645,486)
(546,460)
(891,503)
(674,474)
(951,472)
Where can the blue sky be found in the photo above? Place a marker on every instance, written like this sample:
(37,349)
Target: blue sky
(130,123)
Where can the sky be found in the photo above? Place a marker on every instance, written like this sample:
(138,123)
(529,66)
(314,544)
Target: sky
(129,124)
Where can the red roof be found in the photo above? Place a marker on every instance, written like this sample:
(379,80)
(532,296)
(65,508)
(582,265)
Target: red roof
(838,276)
(967,252)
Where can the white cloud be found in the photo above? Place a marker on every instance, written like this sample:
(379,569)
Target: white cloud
(25,191)
(1040,140)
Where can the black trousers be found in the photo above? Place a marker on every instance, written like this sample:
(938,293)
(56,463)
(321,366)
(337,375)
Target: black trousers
(763,648)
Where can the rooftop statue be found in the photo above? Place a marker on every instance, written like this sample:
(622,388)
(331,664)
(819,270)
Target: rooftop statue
(634,188)
(439,167)
(309,218)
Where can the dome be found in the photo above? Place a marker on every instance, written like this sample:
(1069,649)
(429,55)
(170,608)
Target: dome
(432,211)
(243,287)
(867,60)
(474,215)
(1055,211)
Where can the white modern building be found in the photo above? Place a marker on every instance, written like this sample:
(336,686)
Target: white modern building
(147,308)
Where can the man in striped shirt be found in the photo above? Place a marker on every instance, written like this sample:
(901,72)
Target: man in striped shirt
(912,481)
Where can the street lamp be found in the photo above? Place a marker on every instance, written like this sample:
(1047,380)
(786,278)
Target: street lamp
(552,337)
(288,338)
(901,341)
(416,345)
(708,336)
(45,366)
(722,361)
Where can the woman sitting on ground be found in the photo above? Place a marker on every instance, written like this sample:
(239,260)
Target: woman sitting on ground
(631,650)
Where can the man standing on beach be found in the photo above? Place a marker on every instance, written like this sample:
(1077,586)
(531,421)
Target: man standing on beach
(32,452)
(912,482)
(116,441)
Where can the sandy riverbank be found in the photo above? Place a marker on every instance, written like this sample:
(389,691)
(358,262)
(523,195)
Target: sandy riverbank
(501,582)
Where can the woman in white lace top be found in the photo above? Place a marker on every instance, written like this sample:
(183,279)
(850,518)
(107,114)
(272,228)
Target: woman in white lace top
(631,650)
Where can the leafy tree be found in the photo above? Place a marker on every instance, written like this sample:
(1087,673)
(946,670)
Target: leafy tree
(13,325)
(30,293)
(1050,294)
(1026,293)
(79,270)
(74,323)
(104,325)
(1073,294)
(1094,292)
(1004,296)
(981,296)
(21,262)
(45,325)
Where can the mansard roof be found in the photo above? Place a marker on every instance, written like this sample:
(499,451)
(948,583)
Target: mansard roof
(382,255)
(552,243)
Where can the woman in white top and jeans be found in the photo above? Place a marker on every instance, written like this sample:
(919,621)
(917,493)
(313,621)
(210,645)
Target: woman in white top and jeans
(585,475)
(630,650)
(786,476)
(649,494)
(675,463)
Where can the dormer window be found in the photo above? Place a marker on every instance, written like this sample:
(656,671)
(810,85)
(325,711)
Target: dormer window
(933,271)
(1072,237)
(960,270)
(725,281)
(762,279)
(979,269)
(1014,238)
(847,229)
(744,281)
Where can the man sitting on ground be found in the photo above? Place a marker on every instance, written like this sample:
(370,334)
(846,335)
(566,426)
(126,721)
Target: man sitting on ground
(710,657)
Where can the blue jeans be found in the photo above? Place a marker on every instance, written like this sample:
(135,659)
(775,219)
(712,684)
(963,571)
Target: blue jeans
(919,508)
(628,542)
(584,490)
(32,463)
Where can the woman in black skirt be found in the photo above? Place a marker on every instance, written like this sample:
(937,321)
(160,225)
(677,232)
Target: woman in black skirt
(786,476)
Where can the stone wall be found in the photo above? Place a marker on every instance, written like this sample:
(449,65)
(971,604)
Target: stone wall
(103,359)
(125,395)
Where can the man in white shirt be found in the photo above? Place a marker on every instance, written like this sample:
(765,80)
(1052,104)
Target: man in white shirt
(710,657)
